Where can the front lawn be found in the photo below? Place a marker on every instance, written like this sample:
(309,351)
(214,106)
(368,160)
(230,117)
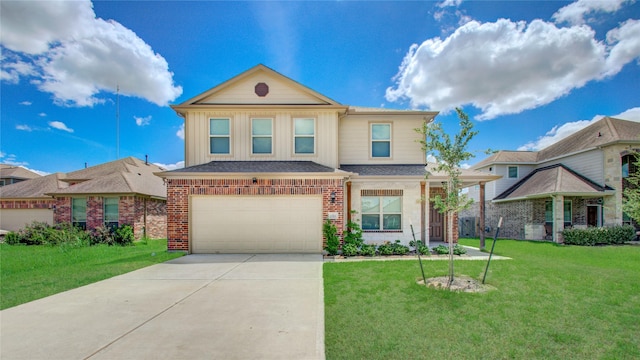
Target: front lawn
(551,302)
(32,272)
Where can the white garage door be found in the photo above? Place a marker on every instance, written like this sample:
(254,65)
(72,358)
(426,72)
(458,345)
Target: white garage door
(256,224)
(16,219)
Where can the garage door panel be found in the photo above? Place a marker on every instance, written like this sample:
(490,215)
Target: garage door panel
(247,224)
(16,219)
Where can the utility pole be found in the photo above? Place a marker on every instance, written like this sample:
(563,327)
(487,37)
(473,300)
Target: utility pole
(117,121)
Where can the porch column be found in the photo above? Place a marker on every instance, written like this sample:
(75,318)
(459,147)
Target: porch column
(558,218)
(423,212)
(348,183)
(481,222)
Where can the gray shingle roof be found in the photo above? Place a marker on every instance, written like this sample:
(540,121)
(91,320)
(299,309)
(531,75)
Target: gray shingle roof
(386,170)
(257,167)
(33,188)
(554,179)
(16,172)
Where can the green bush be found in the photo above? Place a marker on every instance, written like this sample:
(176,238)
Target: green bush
(420,248)
(368,250)
(599,235)
(102,235)
(330,233)
(459,250)
(385,249)
(349,250)
(441,249)
(123,235)
(12,238)
(399,249)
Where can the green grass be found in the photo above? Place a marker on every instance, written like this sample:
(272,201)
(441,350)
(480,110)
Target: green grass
(551,302)
(32,272)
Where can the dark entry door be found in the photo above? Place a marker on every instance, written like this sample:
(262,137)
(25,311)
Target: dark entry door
(592,215)
(436,224)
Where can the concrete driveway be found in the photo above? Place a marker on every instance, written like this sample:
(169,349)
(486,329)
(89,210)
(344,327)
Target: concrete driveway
(194,307)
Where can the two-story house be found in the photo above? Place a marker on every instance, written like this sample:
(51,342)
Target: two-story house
(11,174)
(575,182)
(268,161)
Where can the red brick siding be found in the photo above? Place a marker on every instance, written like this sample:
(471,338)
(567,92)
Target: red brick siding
(27,204)
(131,211)
(179,190)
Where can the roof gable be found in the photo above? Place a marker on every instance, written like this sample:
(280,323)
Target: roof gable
(259,85)
(33,188)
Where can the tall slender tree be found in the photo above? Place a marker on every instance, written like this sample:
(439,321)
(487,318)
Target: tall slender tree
(631,193)
(449,154)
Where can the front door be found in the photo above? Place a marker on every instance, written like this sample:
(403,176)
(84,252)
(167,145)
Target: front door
(593,215)
(436,224)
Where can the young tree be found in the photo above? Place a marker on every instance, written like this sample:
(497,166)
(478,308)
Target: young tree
(449,154)
(631,193)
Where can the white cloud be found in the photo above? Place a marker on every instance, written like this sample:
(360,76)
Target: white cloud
(12,68)
(576,12)
(42,114)
(560,132)
(506,67)
(180,132)
(78,56)
(142,121)
(178,165)
(24,127)
(25,103)
(60,126)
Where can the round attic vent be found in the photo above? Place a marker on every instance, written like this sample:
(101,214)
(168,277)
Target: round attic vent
(262,89)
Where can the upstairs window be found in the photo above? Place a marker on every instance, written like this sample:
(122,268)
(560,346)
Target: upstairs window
(380,140)
(261,136)
(304,134)
(513,172)
(219,136)
(79,212)
(110,211)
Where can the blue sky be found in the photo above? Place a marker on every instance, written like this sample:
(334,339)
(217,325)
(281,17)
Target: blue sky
(527,72)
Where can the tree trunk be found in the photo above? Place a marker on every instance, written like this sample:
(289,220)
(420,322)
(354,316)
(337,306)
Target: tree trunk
(450,238)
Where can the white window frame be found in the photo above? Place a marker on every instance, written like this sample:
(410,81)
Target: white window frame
(104,211)
(381,213)
(313,136)
(372,140)
(509,173)
(261,136)
(220,136)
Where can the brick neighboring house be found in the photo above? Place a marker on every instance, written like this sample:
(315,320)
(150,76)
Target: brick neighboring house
(11,174)
(576,182)
(124,191)
(268,160)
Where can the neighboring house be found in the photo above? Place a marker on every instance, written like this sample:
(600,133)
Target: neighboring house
(25,202)
(11,174)
(268,160)
(576,182)
(124,191)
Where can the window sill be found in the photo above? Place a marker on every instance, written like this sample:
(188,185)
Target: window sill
(383,231)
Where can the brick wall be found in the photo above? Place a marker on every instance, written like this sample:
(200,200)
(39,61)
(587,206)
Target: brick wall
(179,190)
(27,204)
(131,211)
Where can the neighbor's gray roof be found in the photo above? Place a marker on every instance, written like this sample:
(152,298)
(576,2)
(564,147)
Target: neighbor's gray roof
(256,167)
(386,170)
(124,176)
(550,180)
(16,172)
(601,133)
(33,188)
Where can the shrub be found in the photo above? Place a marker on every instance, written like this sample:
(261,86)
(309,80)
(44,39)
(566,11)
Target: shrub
(349,250)
(420,247)
(441,249)
(599,236)
(399,249)
(123,235)
(459,250)
(368,250)
(385,249)
(12,238)
(68,235)
(331,236)
(102,235)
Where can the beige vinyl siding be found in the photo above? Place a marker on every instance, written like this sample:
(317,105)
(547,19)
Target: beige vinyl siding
(500,185)
(243,92)
(197,136)
(589,164)
(355,137)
